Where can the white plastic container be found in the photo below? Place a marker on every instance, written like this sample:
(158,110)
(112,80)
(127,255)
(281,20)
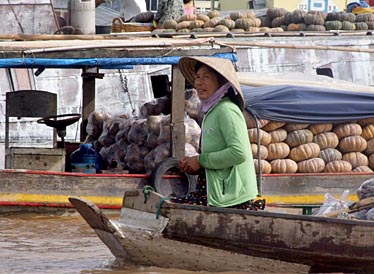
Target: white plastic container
(82,15)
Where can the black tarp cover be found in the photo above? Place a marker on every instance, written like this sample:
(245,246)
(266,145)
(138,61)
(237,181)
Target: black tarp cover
(299,104)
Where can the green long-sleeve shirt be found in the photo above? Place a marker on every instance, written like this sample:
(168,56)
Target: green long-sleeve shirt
(226,156)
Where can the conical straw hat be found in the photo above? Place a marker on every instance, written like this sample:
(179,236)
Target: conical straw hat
(223,66)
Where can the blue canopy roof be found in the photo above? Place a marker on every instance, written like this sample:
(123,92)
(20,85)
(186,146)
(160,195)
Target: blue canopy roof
(300,104)
(104,63)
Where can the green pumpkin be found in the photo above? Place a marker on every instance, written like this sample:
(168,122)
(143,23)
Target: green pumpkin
(361,26)
(348,25)
(315,28)
(333,25)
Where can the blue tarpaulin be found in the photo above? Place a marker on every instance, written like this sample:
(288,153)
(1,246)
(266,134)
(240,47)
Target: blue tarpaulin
(103,63)
(300,104)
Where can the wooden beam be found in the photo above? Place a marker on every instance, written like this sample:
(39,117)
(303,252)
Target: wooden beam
(177,113)
(88,99)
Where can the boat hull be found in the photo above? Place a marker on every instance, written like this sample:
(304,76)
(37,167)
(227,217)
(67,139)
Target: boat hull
(148,247)
(323,244)
(24,189)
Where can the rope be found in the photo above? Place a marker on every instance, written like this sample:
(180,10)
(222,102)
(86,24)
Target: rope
(162,200)
(146,190)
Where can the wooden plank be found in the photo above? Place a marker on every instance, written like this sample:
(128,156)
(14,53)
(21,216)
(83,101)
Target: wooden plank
(88,99)
(177,114)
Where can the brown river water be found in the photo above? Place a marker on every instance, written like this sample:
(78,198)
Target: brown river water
(55,243)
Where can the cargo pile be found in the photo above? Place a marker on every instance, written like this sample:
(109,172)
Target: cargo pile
(139,144)
(276,20)
(312,148)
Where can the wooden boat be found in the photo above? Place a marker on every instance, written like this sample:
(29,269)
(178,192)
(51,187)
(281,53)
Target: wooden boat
(154,231)
(34,188)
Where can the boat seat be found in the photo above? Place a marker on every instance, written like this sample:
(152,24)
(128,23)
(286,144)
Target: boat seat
(28,103)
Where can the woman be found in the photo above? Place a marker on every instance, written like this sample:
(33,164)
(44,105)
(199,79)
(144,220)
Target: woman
(225,166)
(189,6)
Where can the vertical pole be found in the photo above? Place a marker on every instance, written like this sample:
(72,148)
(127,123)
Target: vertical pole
(88,101)
(177,113)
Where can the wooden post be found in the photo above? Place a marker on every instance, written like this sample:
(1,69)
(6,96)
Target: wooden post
(177,113)
(88,99)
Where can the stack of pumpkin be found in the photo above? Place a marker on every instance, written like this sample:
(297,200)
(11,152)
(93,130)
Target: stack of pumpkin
(276,20)
(212,22)
(312,148)
(299,20)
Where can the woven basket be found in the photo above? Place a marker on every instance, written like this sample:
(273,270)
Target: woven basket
(119,26)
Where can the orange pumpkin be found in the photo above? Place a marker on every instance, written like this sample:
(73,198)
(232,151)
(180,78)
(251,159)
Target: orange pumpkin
(283,166)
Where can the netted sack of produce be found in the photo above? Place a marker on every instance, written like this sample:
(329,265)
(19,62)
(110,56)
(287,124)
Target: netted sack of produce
(326,140)
(356,159)
(347,129)
(255,134)
(277,151)
(162,152)
(111,127)
(251,121)
(149,162)
(283,166)
(152,140)
(319,128)
(134,158)
(153,129)
(192,131)
(262,150)
(124,129)
(156,107)
(193,105)
(278,135)
(164,130)
(330,154)
(114,155)
(265,166)
(104,138)
(138,132)
(338,166)
(313,165)
(304,152)
(299,137)
(190,150)
(94,126)
(366,189)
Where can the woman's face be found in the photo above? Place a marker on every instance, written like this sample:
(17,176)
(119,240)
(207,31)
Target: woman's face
(206,82)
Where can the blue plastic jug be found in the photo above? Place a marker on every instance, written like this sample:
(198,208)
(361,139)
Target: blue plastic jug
(84,159)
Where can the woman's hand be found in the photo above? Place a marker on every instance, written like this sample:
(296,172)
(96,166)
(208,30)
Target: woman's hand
(189,164)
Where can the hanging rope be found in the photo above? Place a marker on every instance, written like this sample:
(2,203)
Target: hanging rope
(124,82)
(146,190)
